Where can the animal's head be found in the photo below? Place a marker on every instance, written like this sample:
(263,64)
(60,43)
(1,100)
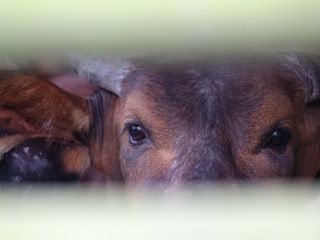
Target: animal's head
(170,123)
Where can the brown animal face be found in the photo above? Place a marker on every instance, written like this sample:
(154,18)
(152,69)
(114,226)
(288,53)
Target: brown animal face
(198,122)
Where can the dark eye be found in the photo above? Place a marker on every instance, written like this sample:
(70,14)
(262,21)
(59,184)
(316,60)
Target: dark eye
(137,134)
(279,139)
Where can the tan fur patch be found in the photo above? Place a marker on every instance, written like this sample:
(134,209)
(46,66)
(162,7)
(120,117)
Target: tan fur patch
(76,159)
(81,120)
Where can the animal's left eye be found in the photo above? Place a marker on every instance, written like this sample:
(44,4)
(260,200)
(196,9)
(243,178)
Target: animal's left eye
(278,139)
(137,134)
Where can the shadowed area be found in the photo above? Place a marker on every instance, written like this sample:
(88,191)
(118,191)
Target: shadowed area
(34,160)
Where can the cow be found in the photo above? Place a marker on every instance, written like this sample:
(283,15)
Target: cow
(174,122)
(43,131)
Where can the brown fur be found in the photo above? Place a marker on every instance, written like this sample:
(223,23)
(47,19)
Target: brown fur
(104,148)
(308,160)
(208,121)
(32,108)
(42,104)
(76,159)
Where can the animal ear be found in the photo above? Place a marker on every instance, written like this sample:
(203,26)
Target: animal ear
(103,139)
(33,108)
(108,73)
(308,70)
(42,104)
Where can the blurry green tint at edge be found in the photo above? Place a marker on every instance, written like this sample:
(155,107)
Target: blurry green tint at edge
(50,28)
(261,212)
(40,27)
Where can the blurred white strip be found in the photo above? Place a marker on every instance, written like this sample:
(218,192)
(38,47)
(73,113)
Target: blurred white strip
(258,213)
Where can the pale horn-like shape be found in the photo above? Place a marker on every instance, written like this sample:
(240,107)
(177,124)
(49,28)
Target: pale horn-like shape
(108,73)
(308,70)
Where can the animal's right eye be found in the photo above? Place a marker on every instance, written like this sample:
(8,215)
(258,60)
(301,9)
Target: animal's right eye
(137,134)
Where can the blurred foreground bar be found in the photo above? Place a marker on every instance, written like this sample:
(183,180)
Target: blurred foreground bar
(286,212)
(45,26)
